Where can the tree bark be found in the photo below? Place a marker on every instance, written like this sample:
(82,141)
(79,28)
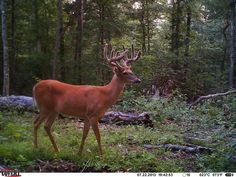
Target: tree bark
(120,118)
(172,26)
(6,79)
(79,40)
(38,46)
(143,27)
(188,31)
(232,45)
(57,49)
(175,26)
(101,18)
(101,39)
(148,25)
(62,60)
(13,62)
(226,26)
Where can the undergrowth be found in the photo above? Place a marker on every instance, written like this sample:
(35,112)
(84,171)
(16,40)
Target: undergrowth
(210,124)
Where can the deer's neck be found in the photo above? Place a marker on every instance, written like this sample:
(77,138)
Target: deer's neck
(115,88)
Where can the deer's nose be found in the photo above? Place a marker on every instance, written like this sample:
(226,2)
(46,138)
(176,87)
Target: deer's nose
(137,81)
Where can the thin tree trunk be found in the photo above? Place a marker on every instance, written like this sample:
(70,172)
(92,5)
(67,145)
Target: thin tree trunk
(226,26)
(13,64)
(148,25)
(177,28)
(142,22)
(78,45)
(172,43)
(38,46)
(188,31)
(6,81)
(62,60)
(102,22)
(57,52)
(101,39)
(232,45)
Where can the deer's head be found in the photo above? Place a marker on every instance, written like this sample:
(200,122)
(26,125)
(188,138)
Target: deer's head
(121,64)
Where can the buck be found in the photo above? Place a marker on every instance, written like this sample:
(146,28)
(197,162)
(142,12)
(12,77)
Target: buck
(88,102)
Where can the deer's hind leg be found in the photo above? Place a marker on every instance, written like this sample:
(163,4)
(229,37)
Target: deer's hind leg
(37,122)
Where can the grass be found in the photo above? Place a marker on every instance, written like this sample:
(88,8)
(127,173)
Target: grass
(123,146)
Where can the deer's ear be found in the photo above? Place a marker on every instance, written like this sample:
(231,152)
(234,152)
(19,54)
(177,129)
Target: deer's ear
(115,70)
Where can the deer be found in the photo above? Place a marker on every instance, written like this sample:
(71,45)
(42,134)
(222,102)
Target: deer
(88,102)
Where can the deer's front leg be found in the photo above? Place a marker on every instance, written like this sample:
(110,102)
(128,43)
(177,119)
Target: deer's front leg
(94,123)
(85,133)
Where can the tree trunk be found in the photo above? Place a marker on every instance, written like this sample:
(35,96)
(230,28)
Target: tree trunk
(142,22)
(102,18)
(13,62)
(78,44)
(148,25)
(62,60)
(232,45)
(177,27)
(101,39)
(188,31)
(57,41)
(172,27)
(6,81)
(38,46)
(226,26)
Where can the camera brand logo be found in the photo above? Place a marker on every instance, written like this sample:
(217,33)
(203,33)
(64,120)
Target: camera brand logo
(9,172)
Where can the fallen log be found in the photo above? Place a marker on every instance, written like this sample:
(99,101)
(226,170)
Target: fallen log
(201,98)
(18,103)
(188,148)
(25,104)
(120,118)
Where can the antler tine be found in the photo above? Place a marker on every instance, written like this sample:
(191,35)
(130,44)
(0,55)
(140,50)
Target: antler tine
(133,56)
(105,51)
(137,56)
(132,51)
(125,59)
(112,53)
(114,56)
(117,54)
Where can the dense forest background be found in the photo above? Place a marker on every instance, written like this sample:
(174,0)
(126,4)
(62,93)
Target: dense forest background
(190,42)
(188,50)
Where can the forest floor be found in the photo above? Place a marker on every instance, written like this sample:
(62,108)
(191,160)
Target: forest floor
(123,147)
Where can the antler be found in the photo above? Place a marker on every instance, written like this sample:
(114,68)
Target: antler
(133,57)
(114,56)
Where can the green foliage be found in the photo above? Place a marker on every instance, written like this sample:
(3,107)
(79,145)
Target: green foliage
(203,70)
(211,124)
(123,146)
